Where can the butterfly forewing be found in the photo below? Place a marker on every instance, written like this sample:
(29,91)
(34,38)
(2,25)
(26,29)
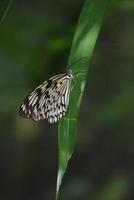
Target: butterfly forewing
(49,100)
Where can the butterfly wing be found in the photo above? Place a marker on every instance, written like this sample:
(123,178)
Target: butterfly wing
(49,100)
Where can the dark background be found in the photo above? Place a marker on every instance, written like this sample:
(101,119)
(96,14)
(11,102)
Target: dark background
(34,39)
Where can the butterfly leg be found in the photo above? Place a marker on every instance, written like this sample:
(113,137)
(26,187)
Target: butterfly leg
(74,86)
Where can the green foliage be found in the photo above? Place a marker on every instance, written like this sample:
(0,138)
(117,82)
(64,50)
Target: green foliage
(83,45)
(32,46)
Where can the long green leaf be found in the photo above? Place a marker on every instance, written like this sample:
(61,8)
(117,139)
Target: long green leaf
(4,7)
(85,37)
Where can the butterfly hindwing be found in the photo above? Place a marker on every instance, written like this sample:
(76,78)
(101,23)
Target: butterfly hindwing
(49,100)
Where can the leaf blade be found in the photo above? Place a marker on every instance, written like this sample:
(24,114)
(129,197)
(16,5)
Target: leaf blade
(4,9)
(84,41)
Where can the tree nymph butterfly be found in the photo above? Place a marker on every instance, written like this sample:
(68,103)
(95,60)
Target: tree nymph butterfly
(49,100)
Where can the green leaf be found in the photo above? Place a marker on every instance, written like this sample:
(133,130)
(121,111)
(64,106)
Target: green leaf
(4,7)
(85,37)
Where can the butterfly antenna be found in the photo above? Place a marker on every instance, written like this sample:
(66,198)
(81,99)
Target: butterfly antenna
(78,60)
(65,54)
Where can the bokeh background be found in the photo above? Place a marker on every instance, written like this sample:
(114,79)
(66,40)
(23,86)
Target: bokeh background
(35,38)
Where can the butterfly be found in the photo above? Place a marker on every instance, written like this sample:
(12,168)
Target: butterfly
(49,100)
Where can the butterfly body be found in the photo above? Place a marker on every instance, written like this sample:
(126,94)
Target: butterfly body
(49,100)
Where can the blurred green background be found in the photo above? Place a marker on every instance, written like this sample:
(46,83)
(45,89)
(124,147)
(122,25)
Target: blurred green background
(35,38)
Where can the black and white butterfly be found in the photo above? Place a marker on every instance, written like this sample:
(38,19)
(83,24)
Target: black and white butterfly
(49,100)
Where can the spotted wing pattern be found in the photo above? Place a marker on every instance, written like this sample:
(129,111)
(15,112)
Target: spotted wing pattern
(49,100)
